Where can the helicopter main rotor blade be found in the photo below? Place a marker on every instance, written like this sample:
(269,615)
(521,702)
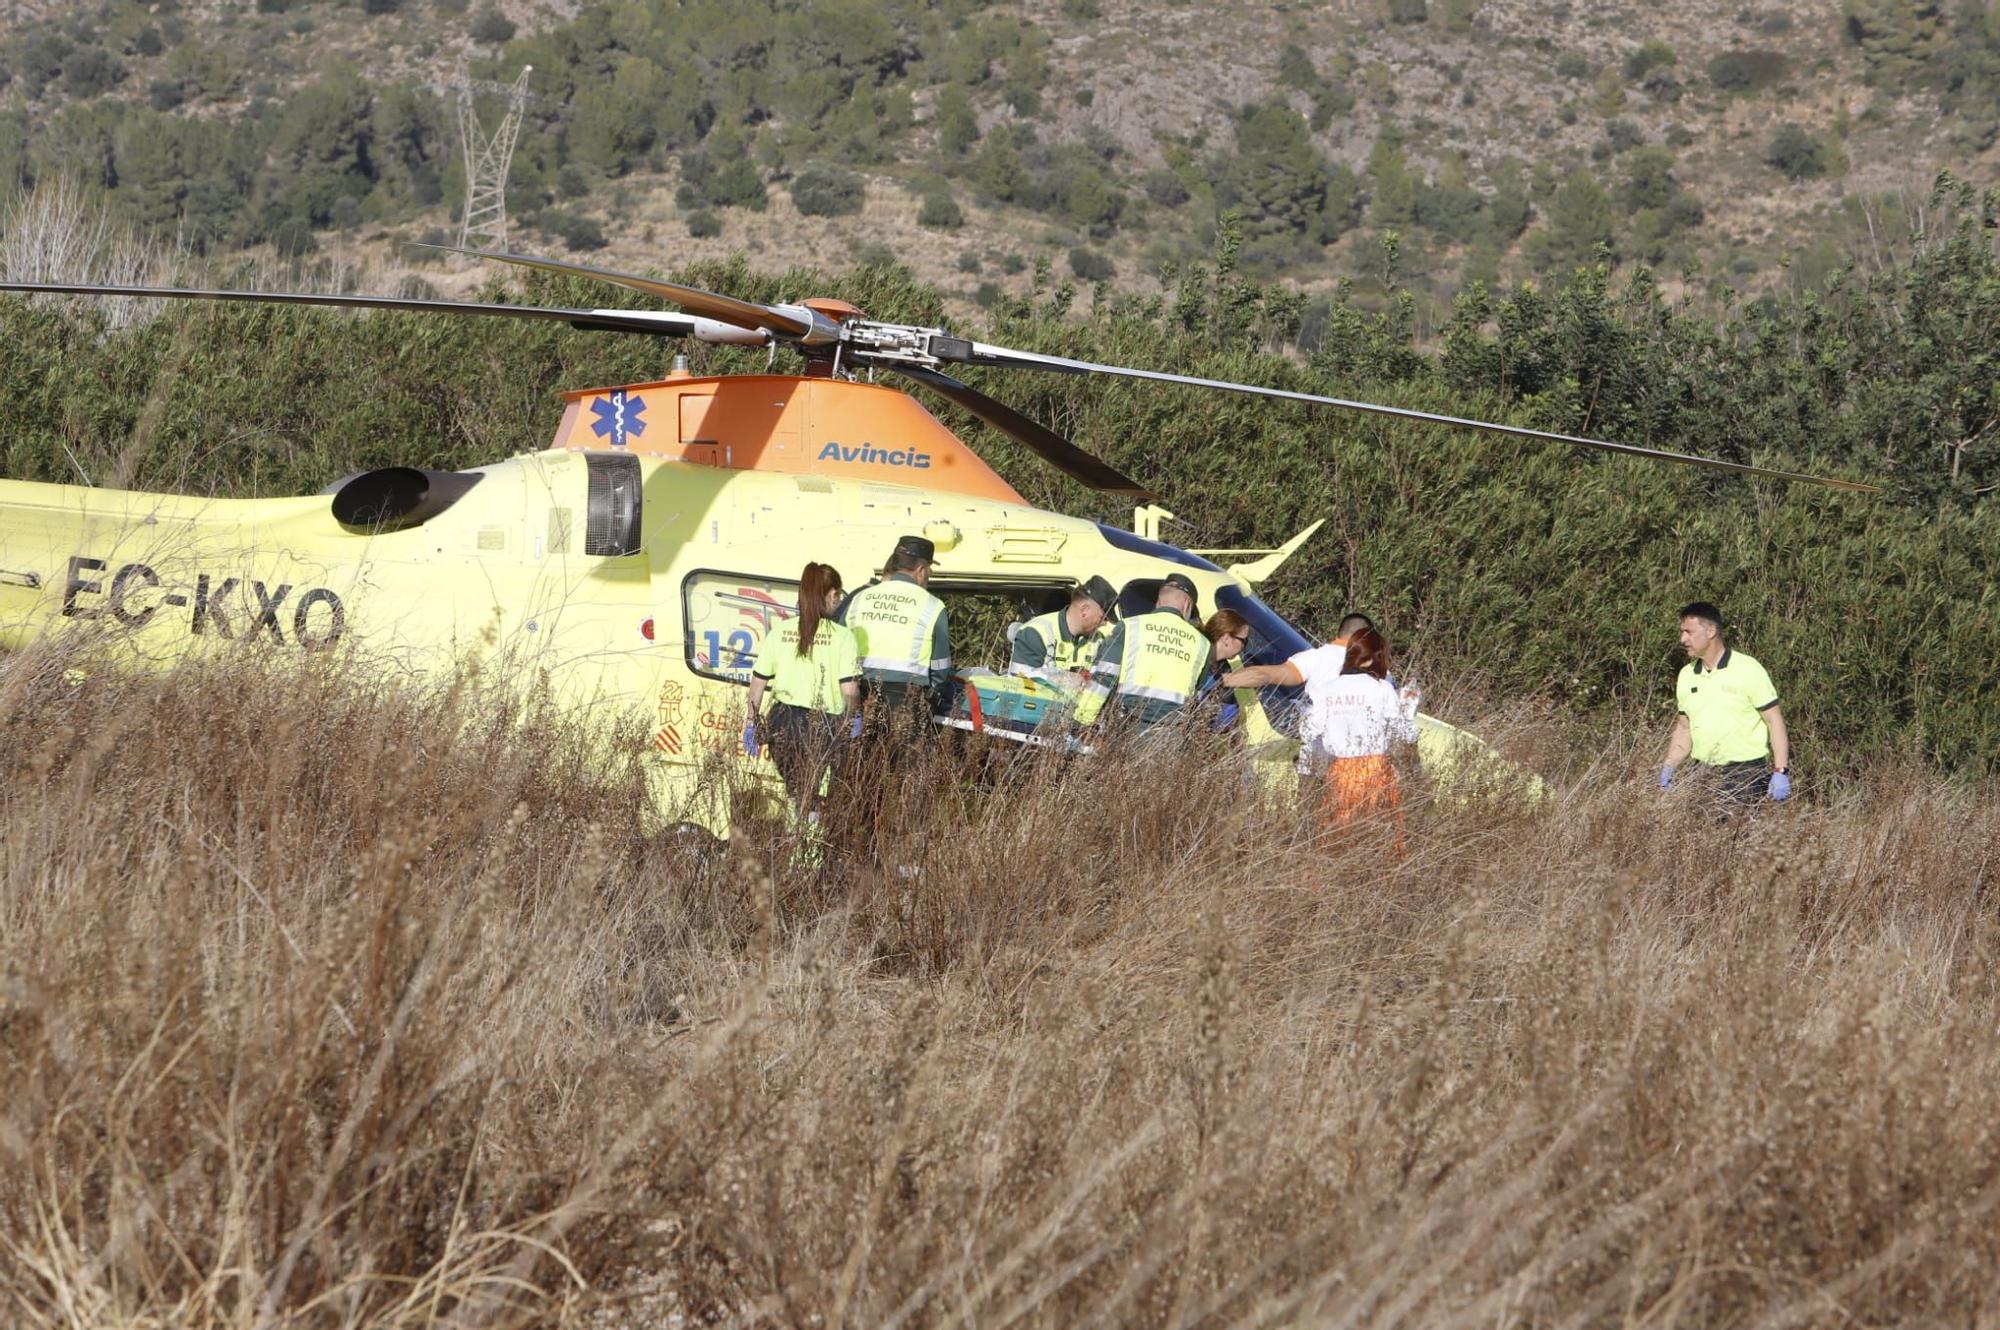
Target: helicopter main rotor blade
(1037,438)
(794,323)
(982,353)
(656,323)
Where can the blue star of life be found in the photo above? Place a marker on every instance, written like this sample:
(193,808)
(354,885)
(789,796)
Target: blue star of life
(618,414)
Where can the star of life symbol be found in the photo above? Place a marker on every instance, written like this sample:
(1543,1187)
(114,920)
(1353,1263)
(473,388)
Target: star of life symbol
(619,414)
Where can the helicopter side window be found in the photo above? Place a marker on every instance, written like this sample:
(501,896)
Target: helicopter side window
(1143,593)
(611,519)
(727,617)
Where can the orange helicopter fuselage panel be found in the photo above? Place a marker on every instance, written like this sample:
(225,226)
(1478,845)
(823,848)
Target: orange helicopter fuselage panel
(778,422)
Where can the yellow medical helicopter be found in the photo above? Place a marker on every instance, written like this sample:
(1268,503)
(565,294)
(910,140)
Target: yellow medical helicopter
(640,561)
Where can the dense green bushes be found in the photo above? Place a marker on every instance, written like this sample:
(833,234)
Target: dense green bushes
(1528,566)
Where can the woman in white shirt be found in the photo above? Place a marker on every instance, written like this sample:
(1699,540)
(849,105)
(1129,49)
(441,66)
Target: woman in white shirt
(1353,715)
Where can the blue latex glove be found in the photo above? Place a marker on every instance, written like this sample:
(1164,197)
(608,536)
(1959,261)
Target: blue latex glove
(1781,786)
(750,744)
(1666,776)
(854,727)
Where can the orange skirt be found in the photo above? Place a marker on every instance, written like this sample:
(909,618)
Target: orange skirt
(1360,786)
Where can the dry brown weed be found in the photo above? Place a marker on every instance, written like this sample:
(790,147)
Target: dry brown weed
(321,1005)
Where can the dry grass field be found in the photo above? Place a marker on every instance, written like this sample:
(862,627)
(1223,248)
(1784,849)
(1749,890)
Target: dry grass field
(327,1006)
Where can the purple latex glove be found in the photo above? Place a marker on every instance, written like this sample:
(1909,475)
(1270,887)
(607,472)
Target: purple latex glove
(1781,786)
(750,744)
(1666,776)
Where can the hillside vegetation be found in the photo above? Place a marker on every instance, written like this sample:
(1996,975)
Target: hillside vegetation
(1495,138)
(1507,568)
(325,1005)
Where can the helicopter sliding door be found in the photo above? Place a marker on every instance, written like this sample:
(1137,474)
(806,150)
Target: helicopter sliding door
(983,613)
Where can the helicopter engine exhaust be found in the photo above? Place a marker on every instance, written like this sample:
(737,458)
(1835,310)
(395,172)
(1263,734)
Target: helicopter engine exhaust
(396,498)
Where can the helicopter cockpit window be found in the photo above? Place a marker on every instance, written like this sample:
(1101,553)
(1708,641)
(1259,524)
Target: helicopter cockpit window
(611,521)
(728,616)
(1120,539)
(1143,593)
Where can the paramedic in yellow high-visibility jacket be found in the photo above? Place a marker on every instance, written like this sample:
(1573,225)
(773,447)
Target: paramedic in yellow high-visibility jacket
(1729,719)
(811,667)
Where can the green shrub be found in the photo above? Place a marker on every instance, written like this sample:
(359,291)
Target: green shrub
(1747,71)
(1091,266)
(1797,154)
(91,70)
(1652,55)
(703,224)
(940,211)
(1295,68)
(1165,188)
(1573,65)
(1408,11)
(492,27)
(828,191)
(573,229)
(721,175)
(292,237)
(1622,135)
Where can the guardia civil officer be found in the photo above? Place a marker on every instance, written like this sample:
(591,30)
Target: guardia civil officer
(903,633)
(1152,665)
(1066,640)
(1729,718)
(811,667)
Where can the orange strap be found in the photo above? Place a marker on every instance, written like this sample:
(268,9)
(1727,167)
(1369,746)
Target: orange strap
(972,708)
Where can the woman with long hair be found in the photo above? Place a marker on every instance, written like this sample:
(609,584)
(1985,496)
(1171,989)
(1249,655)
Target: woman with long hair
(811,666)
(1357,716)
(1353,716)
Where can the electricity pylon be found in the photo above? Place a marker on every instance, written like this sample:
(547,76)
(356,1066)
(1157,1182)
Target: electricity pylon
(487,156)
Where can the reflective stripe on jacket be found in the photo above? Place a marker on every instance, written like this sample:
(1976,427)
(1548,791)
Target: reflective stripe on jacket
(901,631)
(1044,644)
(1153,663)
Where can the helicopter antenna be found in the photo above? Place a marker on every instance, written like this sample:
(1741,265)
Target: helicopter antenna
(487,156)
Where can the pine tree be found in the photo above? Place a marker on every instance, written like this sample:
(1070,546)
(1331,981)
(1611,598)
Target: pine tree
(957,129)
(1277,176)
(1580,222)
(1897,36)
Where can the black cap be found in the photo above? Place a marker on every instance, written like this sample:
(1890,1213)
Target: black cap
(917,547)
(1099,590)
(1182,581)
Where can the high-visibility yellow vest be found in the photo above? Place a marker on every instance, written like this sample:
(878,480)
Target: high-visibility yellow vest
(1153,665)
(896,624)
(812,680)
(1061,652)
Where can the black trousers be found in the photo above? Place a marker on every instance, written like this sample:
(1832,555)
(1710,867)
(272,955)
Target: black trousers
(1741,784)
(803,745)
